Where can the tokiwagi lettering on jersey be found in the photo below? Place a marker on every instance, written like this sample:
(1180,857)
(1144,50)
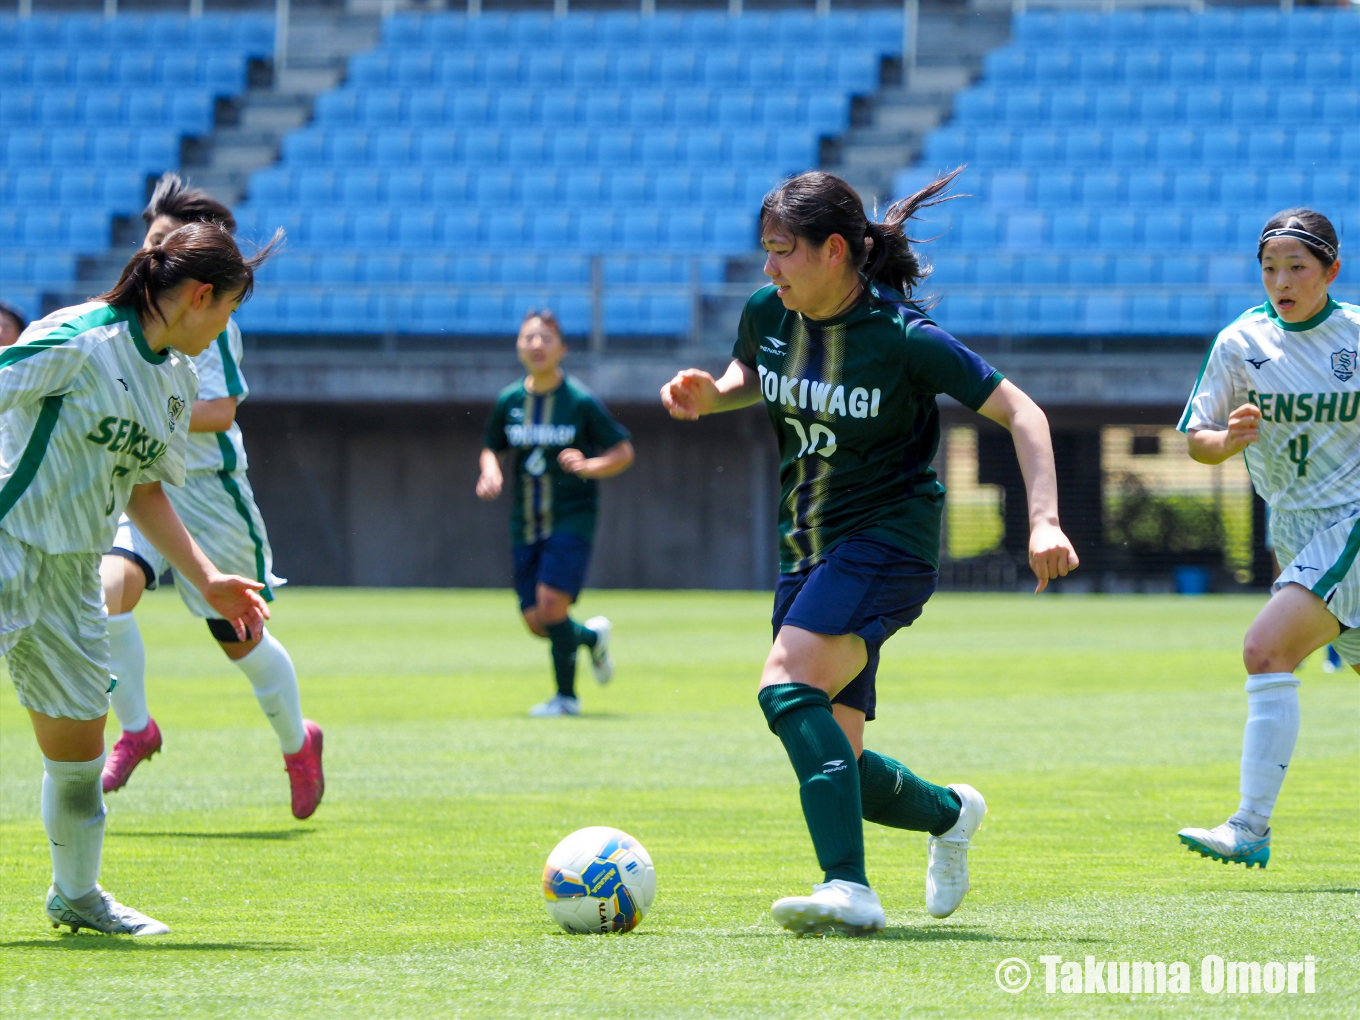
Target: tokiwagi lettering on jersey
(1304,379)
(538,427)
(87,411)
(852,401)
(520,434)
(819,397)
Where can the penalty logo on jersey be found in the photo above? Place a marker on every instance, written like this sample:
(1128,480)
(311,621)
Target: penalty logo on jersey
(174,408)
(1343,364)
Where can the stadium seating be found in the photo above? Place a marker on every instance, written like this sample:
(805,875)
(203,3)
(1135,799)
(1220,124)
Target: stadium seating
(90,108)
(645,141)
(1123,165)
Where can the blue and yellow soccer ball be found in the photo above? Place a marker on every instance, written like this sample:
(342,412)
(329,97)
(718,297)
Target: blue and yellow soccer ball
(599,880)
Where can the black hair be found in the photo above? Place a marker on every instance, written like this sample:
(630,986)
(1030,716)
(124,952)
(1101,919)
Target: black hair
(548,318)
(1303,221)
(15,313)
(173,198)
(204,252)
(816,204)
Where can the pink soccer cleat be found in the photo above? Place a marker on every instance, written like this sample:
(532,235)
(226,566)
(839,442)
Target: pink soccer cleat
(130,751)
(304,772)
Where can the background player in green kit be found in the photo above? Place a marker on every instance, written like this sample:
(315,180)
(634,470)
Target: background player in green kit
(94,414)
(218,508)
(564,439)
(849,370)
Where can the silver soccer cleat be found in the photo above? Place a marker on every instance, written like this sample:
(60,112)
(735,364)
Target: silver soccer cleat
(601,661)
(100,912)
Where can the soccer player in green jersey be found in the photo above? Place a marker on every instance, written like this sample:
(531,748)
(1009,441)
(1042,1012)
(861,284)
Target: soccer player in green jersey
(564,439)
(94,415)
(849,369)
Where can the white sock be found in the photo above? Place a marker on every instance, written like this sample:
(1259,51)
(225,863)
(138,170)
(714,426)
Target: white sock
(73,815)
(127,661)
(1267,744)
(272,675)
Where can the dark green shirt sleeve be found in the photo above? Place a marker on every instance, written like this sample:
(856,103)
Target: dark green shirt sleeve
(495,427)
(938,363)
(747,346)
(604,430)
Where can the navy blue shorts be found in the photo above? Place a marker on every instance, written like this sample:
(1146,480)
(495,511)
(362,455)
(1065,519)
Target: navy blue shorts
(863,587)
(559,561)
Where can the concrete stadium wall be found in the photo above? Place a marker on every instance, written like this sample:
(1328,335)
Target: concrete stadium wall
(383,495)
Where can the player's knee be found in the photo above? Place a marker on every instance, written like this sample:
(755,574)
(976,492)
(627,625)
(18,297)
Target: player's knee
(552,608)
(1263,653)
(531,621)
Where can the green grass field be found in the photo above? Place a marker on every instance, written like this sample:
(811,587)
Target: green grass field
(1095,726)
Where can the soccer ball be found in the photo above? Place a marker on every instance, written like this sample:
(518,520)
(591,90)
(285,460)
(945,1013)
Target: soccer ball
(599,880)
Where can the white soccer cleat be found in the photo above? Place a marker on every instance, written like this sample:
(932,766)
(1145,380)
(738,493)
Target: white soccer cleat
(1232,843)
(947,870)
(555,707)
(601,661)
(100,912)
(837,905)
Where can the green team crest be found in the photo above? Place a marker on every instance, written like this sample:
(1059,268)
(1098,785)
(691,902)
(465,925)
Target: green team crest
(174,408)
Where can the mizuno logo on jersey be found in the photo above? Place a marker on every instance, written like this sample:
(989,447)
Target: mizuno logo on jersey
(1256,363)
(819,397)
(1303,407)
(123,435)
(540,435)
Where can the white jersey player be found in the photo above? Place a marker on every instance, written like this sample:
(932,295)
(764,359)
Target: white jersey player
(94,411)
(218,508)
(1281,385)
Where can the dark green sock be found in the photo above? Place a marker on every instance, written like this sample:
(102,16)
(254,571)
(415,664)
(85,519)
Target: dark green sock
(584,635)
(828,779)
(894,795)
(563,638)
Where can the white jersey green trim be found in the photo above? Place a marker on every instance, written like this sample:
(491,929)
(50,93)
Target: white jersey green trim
(1305,378)
(242,505)
(219,375)
(87,411)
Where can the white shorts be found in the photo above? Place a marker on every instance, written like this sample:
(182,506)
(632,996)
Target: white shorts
(54,631)
(1318,549)
(218,509)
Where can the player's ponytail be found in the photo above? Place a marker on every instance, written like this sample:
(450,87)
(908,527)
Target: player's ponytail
(204,252)
(816,204)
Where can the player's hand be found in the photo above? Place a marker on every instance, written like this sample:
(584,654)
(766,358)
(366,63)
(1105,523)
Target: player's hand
(237,600)
(1244,427)
(489,485)
(691,393)
(1050,554)
(573,462)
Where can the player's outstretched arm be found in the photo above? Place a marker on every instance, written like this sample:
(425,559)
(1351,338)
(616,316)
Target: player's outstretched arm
(212,415)
(1050,551)
(1214,446)
(694,392)
(233,596)
(614,461)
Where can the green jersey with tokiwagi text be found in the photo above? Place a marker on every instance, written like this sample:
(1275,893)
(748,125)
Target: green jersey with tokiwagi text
(852,401)
(87,411)
(546,499)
